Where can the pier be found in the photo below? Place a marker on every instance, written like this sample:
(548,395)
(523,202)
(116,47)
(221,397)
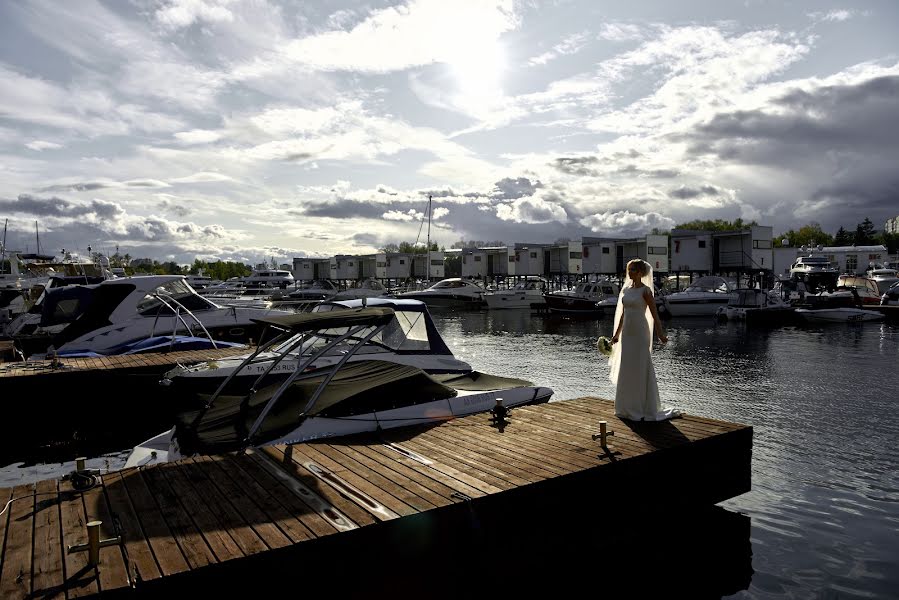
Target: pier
(447,506)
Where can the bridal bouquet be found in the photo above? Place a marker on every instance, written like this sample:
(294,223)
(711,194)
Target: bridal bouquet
(604,345)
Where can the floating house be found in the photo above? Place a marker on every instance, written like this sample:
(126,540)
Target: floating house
(745,251)
(529,259)
(600,256)
(428,266)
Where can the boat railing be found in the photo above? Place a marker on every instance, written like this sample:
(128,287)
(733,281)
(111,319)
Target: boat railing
(167,301)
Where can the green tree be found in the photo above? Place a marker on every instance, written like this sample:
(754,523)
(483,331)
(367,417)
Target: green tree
(842,238)
(864,233)
(807,235)
(889,240)
(716,225)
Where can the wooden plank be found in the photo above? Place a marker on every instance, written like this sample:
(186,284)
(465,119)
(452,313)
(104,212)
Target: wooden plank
(141,562)
(283,519)
(372,483)
(350,510)
(196,551)
(222,544)
(15,580)
(48,573)
(113,570)
(252,514)
(313,521)
(5,495)
(81,578)
(165,548)
(228,517)
(462,462)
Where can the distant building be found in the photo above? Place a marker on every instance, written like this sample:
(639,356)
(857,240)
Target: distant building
(891,226)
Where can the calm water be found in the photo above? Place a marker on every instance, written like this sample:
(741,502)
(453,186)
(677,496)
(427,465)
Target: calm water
(824,505)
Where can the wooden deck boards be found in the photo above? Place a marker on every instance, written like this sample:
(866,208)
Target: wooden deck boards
(180,521)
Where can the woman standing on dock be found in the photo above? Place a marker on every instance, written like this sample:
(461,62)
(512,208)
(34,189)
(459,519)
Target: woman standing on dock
(630,364)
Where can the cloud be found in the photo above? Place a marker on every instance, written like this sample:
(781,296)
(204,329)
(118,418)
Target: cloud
(203,177)
(620,32)
(59,207)
(511,189)
(684,192)
(198,136)
(410,215)
(570,45)
(531,210)
(88,186)
(396,38)
(38,145)
(177,14)
(625,222)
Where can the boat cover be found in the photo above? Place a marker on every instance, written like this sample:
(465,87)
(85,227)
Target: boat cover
(357,388)
(329,320)
(474,381)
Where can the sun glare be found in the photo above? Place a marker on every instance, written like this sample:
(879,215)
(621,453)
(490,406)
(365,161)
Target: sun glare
(478,70)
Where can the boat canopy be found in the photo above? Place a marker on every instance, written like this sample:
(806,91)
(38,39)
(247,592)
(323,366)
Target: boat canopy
(710,283)
(356,388)
(312,321)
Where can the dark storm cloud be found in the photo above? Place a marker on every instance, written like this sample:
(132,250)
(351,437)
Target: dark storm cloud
(346,209)
(512,189)
(59,207)
(656,173)
(685,193)
(863,117)
(583,166)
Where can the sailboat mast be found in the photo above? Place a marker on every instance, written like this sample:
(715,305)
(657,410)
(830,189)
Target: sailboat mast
(3,246)
(429,237)
(38,238)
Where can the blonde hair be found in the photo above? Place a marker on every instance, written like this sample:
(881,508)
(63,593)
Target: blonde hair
(639,263)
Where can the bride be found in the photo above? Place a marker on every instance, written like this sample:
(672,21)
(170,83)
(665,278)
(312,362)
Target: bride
(630,363)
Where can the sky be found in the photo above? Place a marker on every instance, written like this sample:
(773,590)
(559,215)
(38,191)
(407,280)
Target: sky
(253,130)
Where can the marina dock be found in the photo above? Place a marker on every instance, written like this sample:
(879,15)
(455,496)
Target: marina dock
(88,398)
(367,510)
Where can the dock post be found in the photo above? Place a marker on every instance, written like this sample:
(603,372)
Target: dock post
(79,463)
(603,433)
(93,542)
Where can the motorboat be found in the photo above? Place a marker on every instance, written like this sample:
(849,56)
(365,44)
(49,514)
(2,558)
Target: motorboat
(610,303)
(410,338)
(865,287)
(269,278)
(524,294)
(200,281)
(315,290)
(452,292)
(584,299)
(756,306)
(816,273)
(891,296)
(240,295)
(843,314)
(367,288)
(703,297)
(884,277)
(317,401)
(103,317)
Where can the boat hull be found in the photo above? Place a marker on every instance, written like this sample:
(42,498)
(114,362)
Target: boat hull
(838,315)
(695,307)
(573,305)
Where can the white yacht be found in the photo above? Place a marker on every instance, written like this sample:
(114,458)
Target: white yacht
(884,277)
(524,294)
(273,278)
(117,312)
(756,306)
(866,288)
(584,299)
(368,288)
(320,400)
(452,292)
(816,272)
(318,289)
(702,297)
(841,314)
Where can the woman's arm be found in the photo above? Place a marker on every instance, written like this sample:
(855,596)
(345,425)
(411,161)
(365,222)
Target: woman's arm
(618,329)
(651,303)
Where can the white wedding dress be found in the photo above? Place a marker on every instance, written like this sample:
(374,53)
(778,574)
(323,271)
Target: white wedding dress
(636,392)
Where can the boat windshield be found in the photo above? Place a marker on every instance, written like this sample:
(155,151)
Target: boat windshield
(405,332)
(173,291)
(709,284)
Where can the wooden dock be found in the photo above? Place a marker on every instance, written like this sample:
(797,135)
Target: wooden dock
(54,404)
(461,506)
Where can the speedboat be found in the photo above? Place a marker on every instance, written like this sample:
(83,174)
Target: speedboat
(884,278)
(610,303)
(269,278)
(525,294)
(701,298)
(584,299)
(866,288)
(452,292)
(841,314)
(318,289)
(318,400)
(104,317)
(891,296)
(755,306)
(409,338)
(368,288)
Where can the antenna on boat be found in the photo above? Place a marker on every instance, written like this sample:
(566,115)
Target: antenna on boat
(3,245)
(429,237)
